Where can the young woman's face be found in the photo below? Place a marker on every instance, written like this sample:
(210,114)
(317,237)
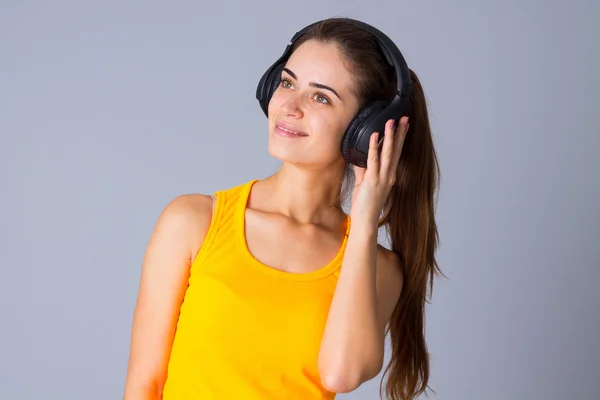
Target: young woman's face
(315,100)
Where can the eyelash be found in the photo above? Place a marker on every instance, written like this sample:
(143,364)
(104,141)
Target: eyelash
(284,80)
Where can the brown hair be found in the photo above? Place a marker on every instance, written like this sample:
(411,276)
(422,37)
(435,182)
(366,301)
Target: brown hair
(409,212)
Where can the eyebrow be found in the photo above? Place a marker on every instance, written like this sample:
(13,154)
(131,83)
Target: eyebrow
(314,84)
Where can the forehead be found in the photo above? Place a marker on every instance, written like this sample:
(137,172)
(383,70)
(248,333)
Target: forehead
(322,63)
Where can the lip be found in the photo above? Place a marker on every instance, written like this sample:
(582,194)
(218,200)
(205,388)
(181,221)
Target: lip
(286,126)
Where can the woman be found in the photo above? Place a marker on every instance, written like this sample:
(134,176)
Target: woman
(269,290)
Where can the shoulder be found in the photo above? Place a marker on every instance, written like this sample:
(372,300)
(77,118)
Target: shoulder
(188,208)
(390,271)
(194,208)
(388,258)
(186,218)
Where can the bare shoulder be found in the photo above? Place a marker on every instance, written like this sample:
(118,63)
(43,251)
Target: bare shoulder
(189,215)
(388,260)
(189,206)
(390,272)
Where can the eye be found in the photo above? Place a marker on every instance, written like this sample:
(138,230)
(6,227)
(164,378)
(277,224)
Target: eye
(321,98)
(285,83)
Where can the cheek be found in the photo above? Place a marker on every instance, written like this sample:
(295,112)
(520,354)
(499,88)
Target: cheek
(275,103)
(331,131)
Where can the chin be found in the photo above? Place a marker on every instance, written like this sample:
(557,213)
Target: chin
(284,153)
(297,157)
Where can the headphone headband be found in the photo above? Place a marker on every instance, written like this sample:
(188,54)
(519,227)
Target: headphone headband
(388,48)
(370,119)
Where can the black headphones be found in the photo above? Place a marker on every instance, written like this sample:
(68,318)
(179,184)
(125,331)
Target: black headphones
(372,118)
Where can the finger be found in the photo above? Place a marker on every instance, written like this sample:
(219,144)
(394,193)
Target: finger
(372,156)
(387,151)
(401,132)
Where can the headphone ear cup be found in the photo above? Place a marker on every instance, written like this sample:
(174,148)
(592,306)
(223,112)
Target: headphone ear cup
(355,128)
(271,84)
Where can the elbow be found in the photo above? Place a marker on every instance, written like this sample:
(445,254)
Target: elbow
(339,383)
(145,390)
(345,381)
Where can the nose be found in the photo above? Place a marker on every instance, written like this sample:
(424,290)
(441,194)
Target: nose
(293,106)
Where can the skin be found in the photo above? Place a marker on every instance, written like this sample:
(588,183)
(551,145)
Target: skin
(297,204)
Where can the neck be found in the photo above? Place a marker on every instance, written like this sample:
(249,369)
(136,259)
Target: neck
(305,195)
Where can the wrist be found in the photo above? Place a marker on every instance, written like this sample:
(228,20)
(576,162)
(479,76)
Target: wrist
(366,228)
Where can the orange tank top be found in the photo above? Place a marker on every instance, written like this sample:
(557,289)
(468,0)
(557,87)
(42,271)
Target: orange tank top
(247,331)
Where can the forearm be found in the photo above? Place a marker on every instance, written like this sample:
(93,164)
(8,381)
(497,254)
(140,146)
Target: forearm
(352,346)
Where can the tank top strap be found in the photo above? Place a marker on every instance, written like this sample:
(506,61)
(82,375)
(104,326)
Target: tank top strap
(223,221)
(231,201)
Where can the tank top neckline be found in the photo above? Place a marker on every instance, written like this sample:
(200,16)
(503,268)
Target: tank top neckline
(240,221)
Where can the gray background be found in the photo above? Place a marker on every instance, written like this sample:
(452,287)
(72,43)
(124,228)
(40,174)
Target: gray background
(110,109)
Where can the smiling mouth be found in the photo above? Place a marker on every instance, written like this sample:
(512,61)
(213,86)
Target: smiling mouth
(289,131)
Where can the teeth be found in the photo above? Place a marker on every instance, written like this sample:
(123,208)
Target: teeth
(287,130)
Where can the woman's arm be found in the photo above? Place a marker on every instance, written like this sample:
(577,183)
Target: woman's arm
(352,348)
(371,280)
(176,238)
